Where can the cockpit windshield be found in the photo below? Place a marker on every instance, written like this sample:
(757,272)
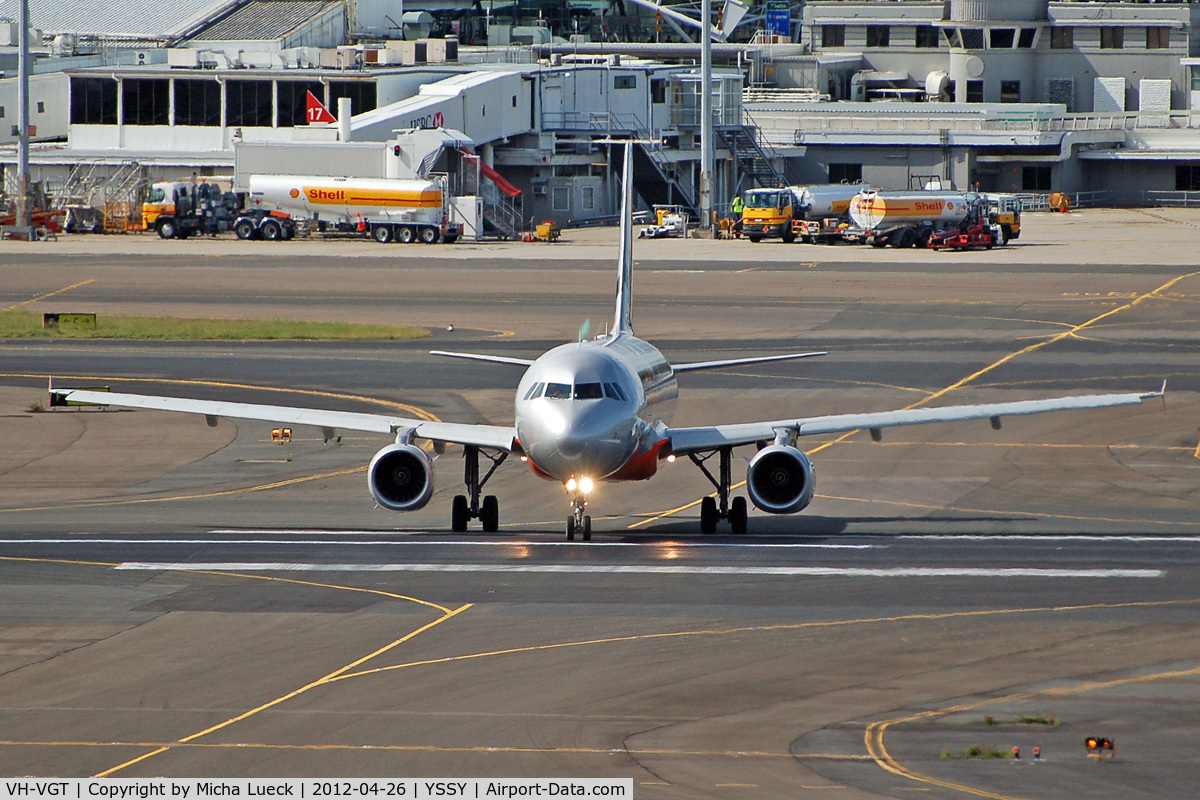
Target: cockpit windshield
(588,391)
(558,391)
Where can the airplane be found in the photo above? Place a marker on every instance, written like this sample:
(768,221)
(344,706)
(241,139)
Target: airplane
(598,410)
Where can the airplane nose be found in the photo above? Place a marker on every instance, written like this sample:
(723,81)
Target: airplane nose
(571,448)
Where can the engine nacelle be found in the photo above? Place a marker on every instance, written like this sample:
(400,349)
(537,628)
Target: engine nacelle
(780,479)
(401,477)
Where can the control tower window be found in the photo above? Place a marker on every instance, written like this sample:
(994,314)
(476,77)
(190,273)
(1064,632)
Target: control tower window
(1158,38)
(927,36)
(1112,37)
(878,35)
(833,36)
(147,102)
(248,103)
(1062,38)
(197,102)
(93,101)
(1002,38)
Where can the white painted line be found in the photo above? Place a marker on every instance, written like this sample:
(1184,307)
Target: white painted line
(83,539)
(1097,538)
(650,569)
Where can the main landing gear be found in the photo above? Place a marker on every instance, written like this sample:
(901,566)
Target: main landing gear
(467,507)
(710,511)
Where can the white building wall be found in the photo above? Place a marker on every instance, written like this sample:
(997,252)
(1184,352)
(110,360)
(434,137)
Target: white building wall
(49,107)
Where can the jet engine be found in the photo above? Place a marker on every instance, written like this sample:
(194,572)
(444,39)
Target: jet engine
(780,479)
(401,477)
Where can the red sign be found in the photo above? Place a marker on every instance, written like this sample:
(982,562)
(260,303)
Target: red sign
(316,111)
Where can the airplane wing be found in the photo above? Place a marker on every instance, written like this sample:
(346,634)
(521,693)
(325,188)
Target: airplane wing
(519,362)
(736,362)
(713,437)
(491,436)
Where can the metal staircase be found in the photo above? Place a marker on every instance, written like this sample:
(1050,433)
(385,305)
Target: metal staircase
(753,158)
(656,180)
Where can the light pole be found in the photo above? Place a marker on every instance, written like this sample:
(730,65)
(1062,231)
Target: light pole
(23,222)
(706,122)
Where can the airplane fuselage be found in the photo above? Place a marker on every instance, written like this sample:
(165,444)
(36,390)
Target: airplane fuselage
(596,409)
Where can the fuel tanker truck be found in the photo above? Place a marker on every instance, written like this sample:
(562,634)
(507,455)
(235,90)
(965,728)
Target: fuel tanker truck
(777,213)
(387,210)
(908,219)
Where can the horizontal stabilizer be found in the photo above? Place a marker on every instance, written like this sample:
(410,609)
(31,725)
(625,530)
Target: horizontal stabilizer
(737,362)
(519,362)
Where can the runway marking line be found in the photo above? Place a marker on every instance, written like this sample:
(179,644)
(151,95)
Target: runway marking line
(998,513)
(446,614)
(323,680)
(793,626)
(15,306)
(957,384)
(262,487)
(878,751)
(346,673)
(422,748)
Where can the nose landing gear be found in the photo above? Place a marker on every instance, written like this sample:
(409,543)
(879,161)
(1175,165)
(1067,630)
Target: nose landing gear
(579,522)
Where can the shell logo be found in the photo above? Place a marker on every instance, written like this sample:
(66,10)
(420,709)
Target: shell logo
(949,206)
(294,193)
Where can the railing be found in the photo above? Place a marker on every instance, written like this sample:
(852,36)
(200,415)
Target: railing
(1040,201)
(595,121)
(1156,197)
(801,122)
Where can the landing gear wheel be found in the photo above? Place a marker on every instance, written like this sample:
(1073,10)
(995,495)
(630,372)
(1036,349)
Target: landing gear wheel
(382,233)
(587,528)
(708,515)
(405,235)
(429,235)
(570,529)
(459,512)
(244,229)
(738,515)
(489,514)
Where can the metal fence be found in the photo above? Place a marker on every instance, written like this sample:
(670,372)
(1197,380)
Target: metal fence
(1167,198)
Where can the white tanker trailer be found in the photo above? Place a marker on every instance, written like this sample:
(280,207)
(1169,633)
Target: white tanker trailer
(905,219)
(388,210)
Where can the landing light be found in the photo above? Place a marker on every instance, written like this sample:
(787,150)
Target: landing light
(671,459)
(571,484)
(585,485)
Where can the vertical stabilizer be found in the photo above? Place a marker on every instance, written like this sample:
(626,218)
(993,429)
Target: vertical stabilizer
(622,323)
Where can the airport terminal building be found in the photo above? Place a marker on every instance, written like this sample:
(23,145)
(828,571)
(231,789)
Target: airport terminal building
(1087,98)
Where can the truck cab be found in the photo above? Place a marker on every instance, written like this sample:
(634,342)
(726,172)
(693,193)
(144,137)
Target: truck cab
(161,200)
(768,213)
(1004,213)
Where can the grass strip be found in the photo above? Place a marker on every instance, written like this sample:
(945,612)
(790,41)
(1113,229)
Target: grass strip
(977,751)
(27,325)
